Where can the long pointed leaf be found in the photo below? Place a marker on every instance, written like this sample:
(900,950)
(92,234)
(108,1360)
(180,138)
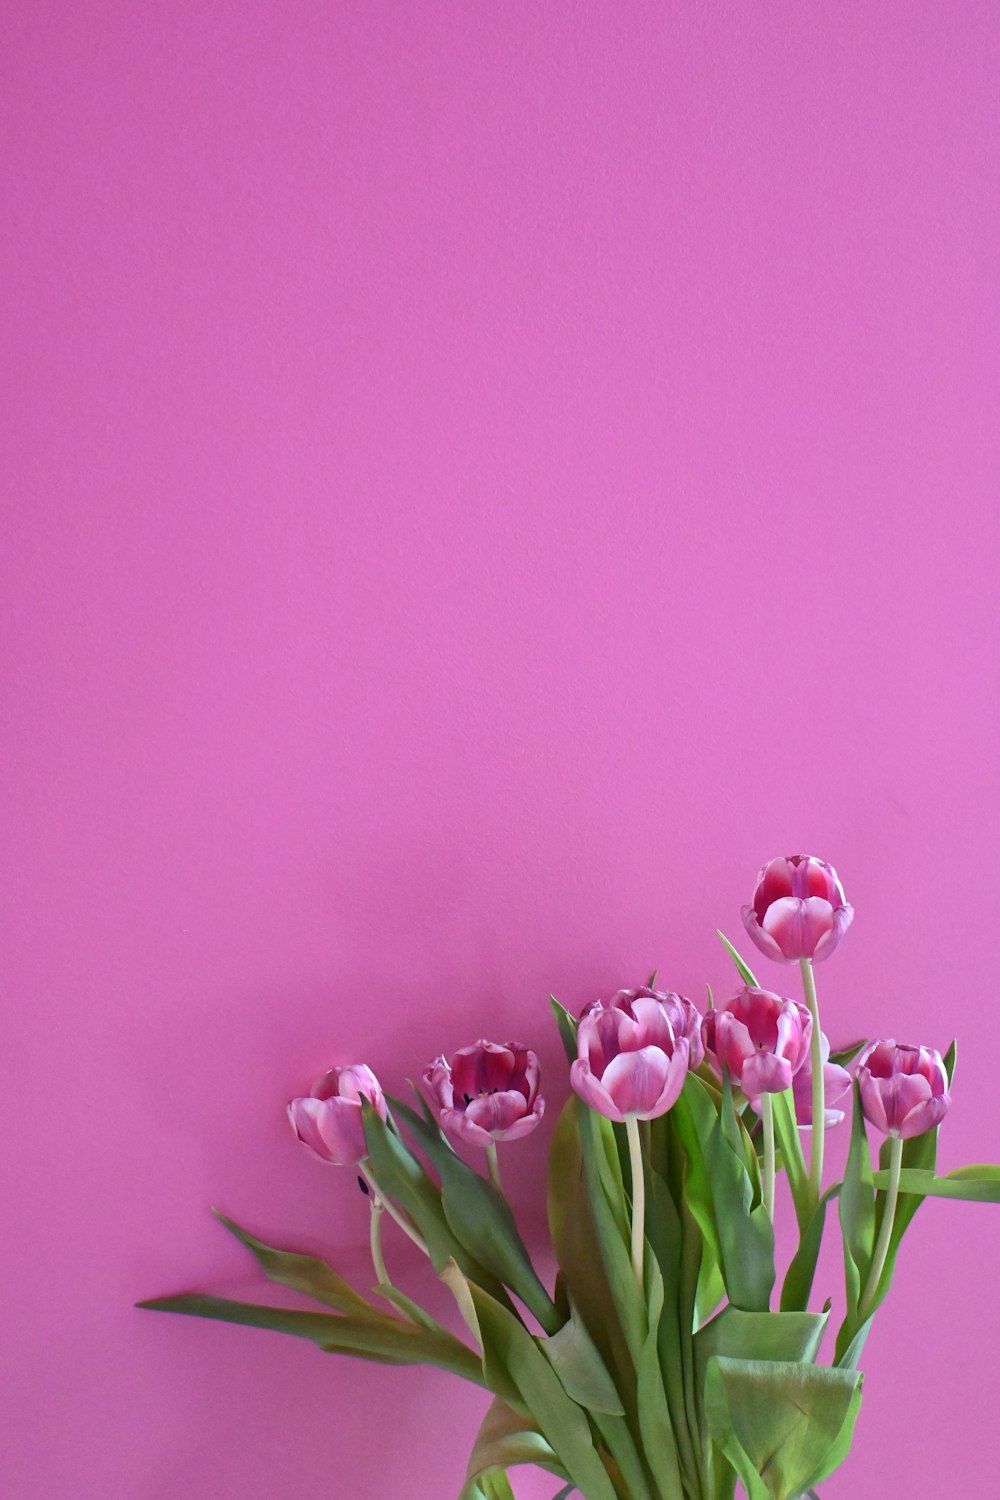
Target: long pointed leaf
(385,1339)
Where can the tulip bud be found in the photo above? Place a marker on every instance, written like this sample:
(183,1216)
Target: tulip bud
(487,1092)
(328,1121)
(904,1090)
(762,1039)
(633,1054)
(798,909)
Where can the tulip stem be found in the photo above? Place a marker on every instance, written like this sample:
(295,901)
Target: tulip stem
(885,1231)
(818,1132)
(767,1116)
(493,1165)
(638,1196)
(391,1209)
(375,1240)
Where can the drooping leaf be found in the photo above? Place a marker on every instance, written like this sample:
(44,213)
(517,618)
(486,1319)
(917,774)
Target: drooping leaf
(559,1419)
(480,1218)
(783,1426)
(400,1175)
(303,1273)
(973,1184)
(506,1439)
(385,1339)
(575,1358)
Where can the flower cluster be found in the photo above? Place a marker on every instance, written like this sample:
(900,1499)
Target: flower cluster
(701,1109)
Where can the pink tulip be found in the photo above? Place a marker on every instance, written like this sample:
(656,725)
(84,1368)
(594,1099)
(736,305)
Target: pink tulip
(904,1090)
(328,1121)
(760,1038)
(633,1054)
(798,910)
(487,1092)
(836,1082)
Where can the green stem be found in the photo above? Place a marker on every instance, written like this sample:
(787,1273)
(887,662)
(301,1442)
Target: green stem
(818,1132)
(767,1116)
(364,1167)
(885,1232)
(375,1240)
(493,1165)
(638,1195)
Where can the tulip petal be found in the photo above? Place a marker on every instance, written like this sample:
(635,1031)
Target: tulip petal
(459,1128)
(592,1091)
(497,1112)
(842,919)
(798,925)
(764,1073)
(925,1116)
(635,1080)
(764,941)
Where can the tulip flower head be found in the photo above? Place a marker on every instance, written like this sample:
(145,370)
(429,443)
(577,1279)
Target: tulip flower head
(904,1090)
(798,910)
(487,1092)
(328,1121)
(762,1039)
(633,1053)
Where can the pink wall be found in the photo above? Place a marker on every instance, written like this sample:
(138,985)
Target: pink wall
(480,478)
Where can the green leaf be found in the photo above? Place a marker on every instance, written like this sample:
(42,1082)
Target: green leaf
(786,1131)
(745,972)
(506,1439)
(400,1175)
(567,1025)
(798,1281)
(480,1218)
(573,1355)
(559,1419)
(576,1241)
(408,1307)
(303,1273)
(844,1056)
(783,1426)
(658,1439)
(780,1336)
(746,1236)
(384,1339)
(857,1206)
(975,1184)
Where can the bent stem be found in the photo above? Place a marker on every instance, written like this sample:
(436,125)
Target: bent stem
(638,1195)
(375,1240)
(767,1116)
(394,1213)
(818,1131)
(885,1232)
(493,1165)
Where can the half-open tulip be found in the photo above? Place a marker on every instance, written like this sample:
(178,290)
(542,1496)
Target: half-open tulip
(328,1119)
(761,1038)
(487,1092)
(798,909)
(633,1054)
(904,1090)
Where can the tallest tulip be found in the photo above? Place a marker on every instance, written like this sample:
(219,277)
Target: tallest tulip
(798,910)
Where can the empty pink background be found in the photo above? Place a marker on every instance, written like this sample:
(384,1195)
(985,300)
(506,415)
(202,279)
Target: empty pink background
(480,478)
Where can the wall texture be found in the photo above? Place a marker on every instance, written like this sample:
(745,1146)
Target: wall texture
(479,479)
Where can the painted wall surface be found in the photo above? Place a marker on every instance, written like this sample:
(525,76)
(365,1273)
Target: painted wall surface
(479,478)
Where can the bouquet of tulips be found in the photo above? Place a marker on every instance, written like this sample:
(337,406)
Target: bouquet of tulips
(663,1363)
